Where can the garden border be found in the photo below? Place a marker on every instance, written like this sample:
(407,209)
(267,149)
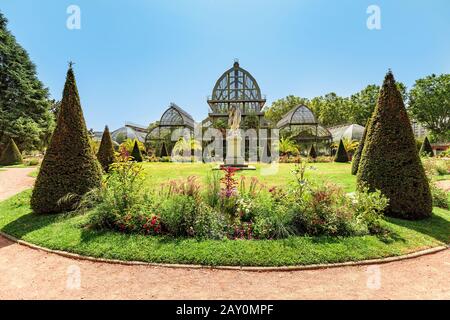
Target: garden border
(235,268)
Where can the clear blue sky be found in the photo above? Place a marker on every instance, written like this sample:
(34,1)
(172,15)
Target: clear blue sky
(134,57)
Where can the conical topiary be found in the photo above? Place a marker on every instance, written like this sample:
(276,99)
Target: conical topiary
(11,154)
(426,148)
(357,155)
(341,153)
(390,161)
(312,152)
(69,168)
(136,153)
(105,154)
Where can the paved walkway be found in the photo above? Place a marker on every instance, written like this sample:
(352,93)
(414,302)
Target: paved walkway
(31,274)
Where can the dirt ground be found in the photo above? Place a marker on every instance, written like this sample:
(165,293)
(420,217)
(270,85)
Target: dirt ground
(32,274)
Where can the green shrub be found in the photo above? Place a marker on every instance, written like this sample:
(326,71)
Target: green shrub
(341,153)
(11,154)
(426,149)
(106,155)
(32,162)
(390,161)
(439,197)
(136,153)
(178,215)
(312,152)
(357,155)
(69,168)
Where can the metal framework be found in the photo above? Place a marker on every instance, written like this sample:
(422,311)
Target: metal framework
(303,126)
(236,86)
(173,118)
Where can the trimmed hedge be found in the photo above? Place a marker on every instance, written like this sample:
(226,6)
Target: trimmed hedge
(69,168)
(105,154)
(426,148)
(11,154)
(390,161)
(136,153)
(341,154)
(312,152)
(357,155)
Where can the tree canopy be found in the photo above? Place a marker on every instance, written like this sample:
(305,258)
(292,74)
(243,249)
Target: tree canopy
(430,104)
(25,110)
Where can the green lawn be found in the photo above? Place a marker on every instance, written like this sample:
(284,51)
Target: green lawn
(65,232)
(338,173)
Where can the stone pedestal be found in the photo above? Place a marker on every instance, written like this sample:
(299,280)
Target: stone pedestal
(234,156)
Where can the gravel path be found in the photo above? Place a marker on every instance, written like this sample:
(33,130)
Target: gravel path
(14,180)
(32,274)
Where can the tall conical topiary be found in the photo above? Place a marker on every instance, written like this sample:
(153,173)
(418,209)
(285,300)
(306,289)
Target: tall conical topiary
(341,153)
(105,154)
(390,161)
(69,168)
(312,152)
(426,148)
(11,154)
(357,155)
(136,153)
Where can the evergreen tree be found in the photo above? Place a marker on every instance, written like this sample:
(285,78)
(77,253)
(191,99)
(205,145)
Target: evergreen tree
(25,110)
(426,148)
(312,152)
(357,155)
(69,168)
(390,161)
(136,153)
(11,154)
(105,153)
(341,154)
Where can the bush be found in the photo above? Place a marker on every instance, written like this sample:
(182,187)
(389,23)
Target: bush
(357,155)
(426,149)
(136,153)
(312,152)
(439,197)
(105,153)
(11,154)
(390,161)
(69,168)
(341,154)
(121,203)
(32,162)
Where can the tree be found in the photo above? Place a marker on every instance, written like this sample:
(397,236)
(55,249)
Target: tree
(282,106)
(25,112)
(105,153)
(426,148)
(390,161)
(69,168)
(357,155)
(341,154)
(136,153)
(11,154)
(430,104)
(312,152)
(330,109)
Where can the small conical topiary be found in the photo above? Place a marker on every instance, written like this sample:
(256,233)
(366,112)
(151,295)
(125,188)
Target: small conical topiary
(136,153)
(105,154)
(390,161)
(11,154)
(357,155)
(69,168)
(341,153)
(312,152)
(426,148)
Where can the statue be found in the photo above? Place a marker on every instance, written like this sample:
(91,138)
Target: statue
(234,118)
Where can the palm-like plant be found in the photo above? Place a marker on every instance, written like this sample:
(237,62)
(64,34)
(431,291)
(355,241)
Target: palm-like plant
(288,147)
(186,146)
